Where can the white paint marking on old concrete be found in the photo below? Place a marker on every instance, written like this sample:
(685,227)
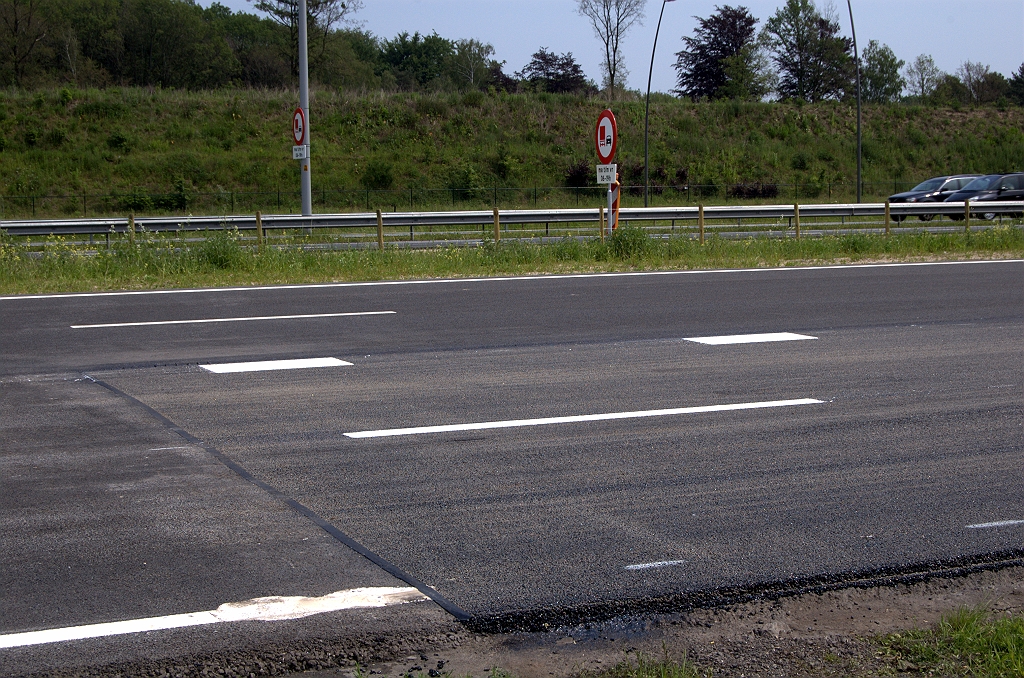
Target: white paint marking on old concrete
(273,608)
(750,338)
(268,365)
(579,418)
(461,281)
(1001,523)
(657,565)
(230,320)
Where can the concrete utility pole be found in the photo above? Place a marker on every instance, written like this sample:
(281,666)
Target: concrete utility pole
(307,182)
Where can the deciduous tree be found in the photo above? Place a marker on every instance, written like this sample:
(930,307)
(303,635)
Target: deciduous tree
(611,20)
(550,72)
(922,76)
(880,74)
(1016,87)
(724,39)
(813,60)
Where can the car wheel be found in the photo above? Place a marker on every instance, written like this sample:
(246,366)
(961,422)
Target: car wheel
(926,217)
(956,217)
(988,216)
(898,218)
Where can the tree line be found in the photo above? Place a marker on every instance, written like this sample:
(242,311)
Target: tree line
(179,44)
(799,53)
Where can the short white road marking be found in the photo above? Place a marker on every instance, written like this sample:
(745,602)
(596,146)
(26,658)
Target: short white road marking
(654,566)
(579,418)
(1001,523)
(750,338)
(267,365)
(230,320)
(273,608)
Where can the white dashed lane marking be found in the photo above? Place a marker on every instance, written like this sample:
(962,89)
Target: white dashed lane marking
(579,418)
(1001,523)
(274,608)
(268,365)
(231,320)
(655,566)
(750,338)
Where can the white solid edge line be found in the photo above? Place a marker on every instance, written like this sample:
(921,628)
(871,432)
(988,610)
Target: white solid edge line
(749,338)
(273,608)
(269,365)
(653,566)
(578,418)
(231,320)
(448,281)
(1001,523)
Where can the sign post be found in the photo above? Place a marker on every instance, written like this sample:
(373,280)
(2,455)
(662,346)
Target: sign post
(304,174)
(606,138)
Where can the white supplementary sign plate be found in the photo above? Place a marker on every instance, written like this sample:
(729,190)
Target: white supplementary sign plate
(300,152)
(606,173)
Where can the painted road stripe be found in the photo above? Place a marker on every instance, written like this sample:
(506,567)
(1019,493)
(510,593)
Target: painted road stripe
(267,365)
(231,320)
(274,608)
(1001,523)
(750,338)
(657,565)
(523,278)
(579,418)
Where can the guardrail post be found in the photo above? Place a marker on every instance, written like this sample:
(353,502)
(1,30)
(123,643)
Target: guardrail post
(967,217)
(380,231)
(259,231)
(497,226)
(887,216)
(796,219)
(600,220)
(131,228)
(700,221)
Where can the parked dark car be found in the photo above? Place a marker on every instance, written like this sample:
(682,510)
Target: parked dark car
(990,188)
(935,189)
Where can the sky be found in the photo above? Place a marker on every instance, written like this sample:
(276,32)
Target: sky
(951,31)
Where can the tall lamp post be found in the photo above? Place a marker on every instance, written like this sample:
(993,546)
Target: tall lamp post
(856,59)
(647,109)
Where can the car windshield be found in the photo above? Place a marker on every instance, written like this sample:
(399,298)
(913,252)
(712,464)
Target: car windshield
(930,185)
(982,183)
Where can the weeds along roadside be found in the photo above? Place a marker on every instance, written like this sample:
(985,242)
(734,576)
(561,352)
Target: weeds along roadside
(223,258)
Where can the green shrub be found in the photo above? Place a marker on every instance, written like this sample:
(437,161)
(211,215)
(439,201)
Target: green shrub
(628,242)
(378,176)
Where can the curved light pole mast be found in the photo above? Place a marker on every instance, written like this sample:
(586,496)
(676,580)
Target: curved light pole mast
(856,59)
(306,180)
(647,109)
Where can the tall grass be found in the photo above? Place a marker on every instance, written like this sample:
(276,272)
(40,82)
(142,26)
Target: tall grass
(223,258)
(968,642)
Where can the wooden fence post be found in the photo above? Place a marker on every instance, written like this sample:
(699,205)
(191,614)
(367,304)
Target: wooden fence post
(259,231)
(796,219)
(131,228)
(380,231)
(967,217)
(497,226)
(887,217)
(700,221)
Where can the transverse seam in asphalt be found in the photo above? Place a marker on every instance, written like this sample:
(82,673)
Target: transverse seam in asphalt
(389,567)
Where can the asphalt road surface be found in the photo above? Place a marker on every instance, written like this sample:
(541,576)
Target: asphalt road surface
(521,450)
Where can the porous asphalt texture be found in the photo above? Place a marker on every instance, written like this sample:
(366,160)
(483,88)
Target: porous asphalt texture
(135,483)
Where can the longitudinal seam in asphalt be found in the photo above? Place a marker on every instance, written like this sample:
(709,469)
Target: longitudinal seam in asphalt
(319,521)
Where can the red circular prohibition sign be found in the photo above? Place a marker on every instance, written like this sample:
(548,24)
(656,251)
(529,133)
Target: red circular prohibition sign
(299,126)
(606,137)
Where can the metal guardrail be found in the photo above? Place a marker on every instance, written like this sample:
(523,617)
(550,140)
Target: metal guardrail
(898,211)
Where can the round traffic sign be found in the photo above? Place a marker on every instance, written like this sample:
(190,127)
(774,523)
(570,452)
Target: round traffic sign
(299,126)
(606,137)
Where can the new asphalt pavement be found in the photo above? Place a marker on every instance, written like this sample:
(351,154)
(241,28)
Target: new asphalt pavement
(524,451)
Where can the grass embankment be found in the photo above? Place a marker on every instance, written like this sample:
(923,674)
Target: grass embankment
(223,259)
(208,152)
